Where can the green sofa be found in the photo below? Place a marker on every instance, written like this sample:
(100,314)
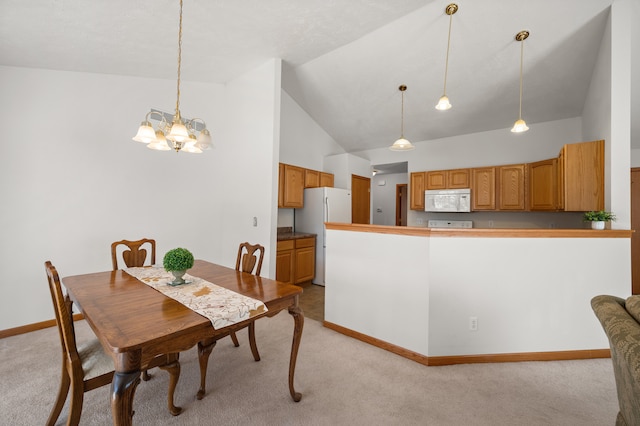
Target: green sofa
(620,319)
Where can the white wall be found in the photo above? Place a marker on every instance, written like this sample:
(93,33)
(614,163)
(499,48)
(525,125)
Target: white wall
(383,197)
(73,181)
(528,294)
(302,143)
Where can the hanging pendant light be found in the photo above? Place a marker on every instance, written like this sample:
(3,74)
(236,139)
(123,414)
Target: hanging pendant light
(401,144)
(181,132)
(520,125)
(443,103)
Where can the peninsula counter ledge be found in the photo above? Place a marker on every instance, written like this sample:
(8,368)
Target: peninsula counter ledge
(449,296)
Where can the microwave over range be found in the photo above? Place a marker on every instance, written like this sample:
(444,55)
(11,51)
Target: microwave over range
(447,200)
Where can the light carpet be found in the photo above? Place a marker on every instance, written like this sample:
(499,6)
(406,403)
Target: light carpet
(343,382)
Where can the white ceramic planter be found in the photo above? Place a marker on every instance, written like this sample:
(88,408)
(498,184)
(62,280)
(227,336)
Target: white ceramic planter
(598,224)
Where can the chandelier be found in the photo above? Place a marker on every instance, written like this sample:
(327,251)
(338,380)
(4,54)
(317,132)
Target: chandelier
(177,131)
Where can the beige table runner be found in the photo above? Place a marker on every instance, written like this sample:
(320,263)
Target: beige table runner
(220,305)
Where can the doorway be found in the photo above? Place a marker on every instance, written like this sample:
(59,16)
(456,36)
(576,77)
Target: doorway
(401,204)
(360,199)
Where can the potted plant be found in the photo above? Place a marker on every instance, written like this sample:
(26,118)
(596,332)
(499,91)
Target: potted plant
(177,261)
(598,219)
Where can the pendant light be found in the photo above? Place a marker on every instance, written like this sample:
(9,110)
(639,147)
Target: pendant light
(181,133)
(520,126)
(443,103)
(401,144)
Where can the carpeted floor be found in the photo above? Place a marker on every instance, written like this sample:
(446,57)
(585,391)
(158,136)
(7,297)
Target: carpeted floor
(343,382)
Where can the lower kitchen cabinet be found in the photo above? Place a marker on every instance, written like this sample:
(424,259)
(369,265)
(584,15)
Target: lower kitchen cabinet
(296,260)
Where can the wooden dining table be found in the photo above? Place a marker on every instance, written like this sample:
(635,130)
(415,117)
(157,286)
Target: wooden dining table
(135,322)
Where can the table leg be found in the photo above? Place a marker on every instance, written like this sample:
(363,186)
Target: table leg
(204,350)
(173,368)
(298,318)
(123,387)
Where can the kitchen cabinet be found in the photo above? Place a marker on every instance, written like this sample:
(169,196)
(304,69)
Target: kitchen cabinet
(458,179)
(436,179)
(305,259)
(296,260)
(447,179)
(543,185)
(483,188)
(285,261)
(417,188)
(291,186)
(581,176)
(311,178)
(511,187)
(326,179)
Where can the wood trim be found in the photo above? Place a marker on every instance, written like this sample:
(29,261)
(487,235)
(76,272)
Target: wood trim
(33,327)
(470,359)
(482,232)
(520,357)
(414,356)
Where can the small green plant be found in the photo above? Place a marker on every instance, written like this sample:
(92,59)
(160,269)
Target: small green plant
(178,259)
(601,216)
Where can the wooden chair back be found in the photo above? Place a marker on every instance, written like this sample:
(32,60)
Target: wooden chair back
(247,258)
(134,254)
(64,317)
(99,370)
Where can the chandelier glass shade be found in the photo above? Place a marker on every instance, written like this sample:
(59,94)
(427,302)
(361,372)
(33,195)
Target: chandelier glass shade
(402,144)
(443,102)
(175,133)
(520,126)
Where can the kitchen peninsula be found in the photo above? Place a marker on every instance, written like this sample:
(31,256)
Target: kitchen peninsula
(447,296)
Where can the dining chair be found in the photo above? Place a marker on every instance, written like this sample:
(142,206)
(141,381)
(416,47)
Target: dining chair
(249,259)
(134,253)
(87,366)
(248,255)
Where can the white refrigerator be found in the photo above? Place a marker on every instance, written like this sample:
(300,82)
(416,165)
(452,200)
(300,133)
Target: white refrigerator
(322,205)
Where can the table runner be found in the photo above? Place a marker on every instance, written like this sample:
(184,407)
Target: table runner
(221,306)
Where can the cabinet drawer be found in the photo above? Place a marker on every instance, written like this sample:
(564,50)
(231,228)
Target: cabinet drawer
(285,245)
(305,242)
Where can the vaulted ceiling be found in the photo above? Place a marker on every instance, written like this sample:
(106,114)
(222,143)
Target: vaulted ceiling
(343,60)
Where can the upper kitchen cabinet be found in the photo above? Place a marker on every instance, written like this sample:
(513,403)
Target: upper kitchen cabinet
(581,176)
(543,185)
(447,179)
(417,188)
(326,179)
(511,187)
(483,188)
(291,186)
(311,178)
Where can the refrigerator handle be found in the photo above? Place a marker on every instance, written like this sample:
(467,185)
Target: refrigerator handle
(326,216)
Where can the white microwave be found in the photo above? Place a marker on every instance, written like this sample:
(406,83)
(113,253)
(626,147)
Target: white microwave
(447,200)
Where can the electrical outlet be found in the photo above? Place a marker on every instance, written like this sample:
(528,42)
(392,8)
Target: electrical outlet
(473,323)
(490,224)
(255,221)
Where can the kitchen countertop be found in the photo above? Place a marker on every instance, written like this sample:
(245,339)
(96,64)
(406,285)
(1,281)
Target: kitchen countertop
(286,233)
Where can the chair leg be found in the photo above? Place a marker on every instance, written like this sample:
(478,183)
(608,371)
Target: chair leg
(173,368)
(234,338)
(204,350)
(252,341)
(63,391)
(145,375)
(77,397)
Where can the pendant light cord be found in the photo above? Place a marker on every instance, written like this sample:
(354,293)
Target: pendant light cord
(521,60)
(179,60)
(446,63)
(402,116)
